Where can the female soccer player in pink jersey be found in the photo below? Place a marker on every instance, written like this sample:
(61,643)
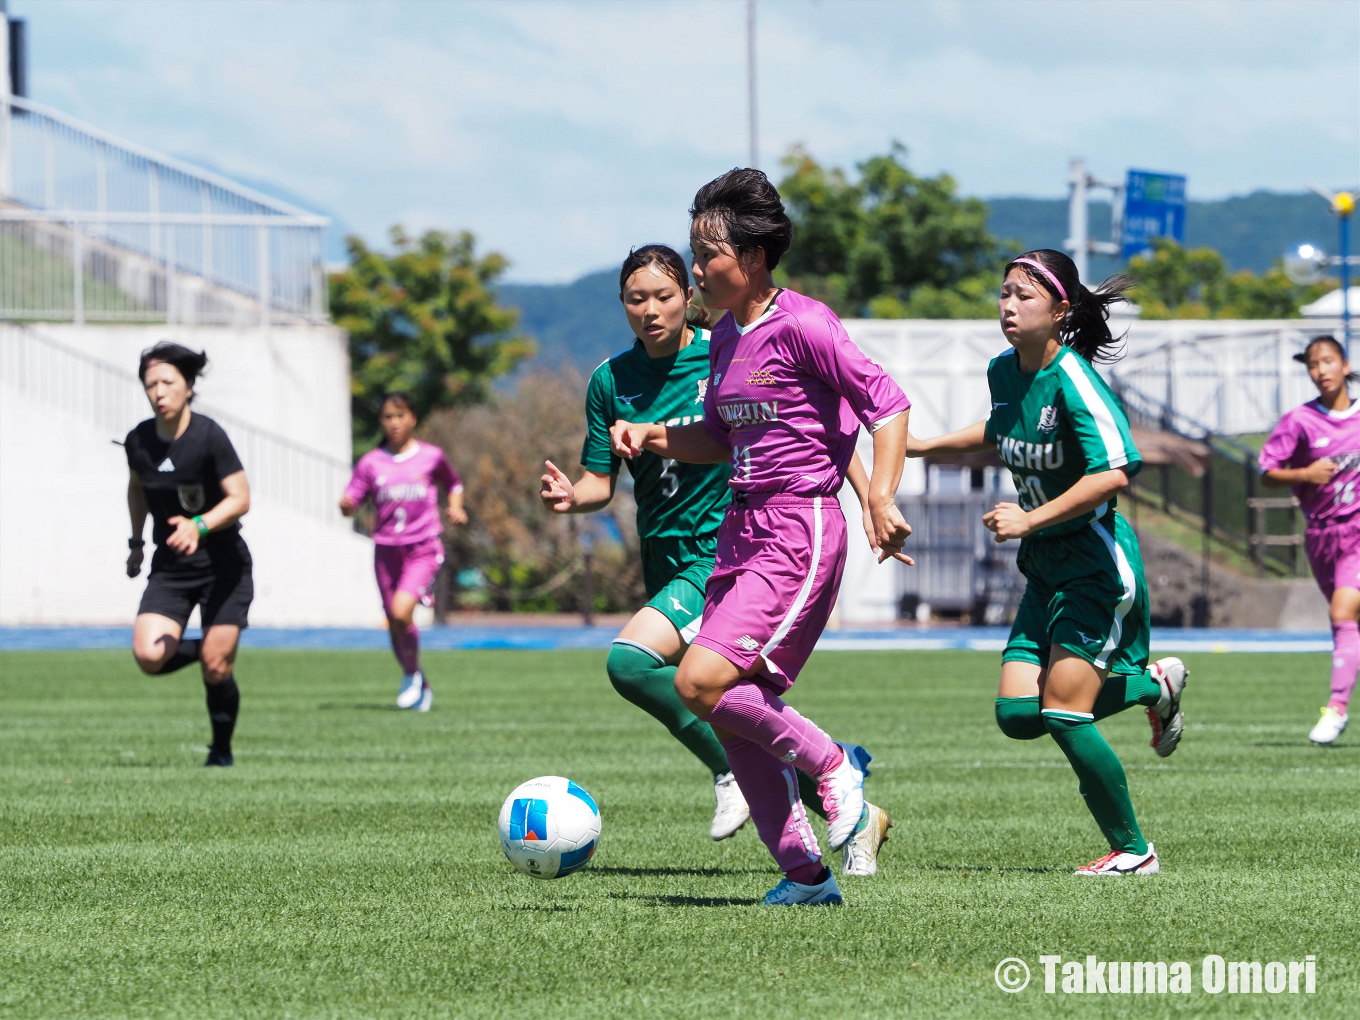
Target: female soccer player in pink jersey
(1315,449)
(787,392)
(403,475)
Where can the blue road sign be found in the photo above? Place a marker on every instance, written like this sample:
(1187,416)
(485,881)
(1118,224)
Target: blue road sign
(1154,206)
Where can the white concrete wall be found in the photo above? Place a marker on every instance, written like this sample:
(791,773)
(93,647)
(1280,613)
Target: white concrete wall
(63,484)
(293,380)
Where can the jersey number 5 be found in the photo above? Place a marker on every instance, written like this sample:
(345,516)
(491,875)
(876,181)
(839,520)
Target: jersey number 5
(669,483)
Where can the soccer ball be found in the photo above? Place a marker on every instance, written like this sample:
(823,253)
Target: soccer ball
(549,827)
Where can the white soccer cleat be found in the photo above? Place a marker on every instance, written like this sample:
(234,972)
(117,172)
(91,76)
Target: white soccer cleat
(1117,864)
(1165,717)
(789,893)
(412,689)
(842,793)
(860,855)
(1329,727)
(426,699)
(730,812)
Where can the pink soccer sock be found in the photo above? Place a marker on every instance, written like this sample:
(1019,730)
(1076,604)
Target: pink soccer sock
(771,791)
(1345,662)
(406,645)
(751,711)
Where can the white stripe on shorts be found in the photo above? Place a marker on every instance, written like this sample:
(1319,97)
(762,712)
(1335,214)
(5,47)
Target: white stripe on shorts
(801,600)
(1130,583)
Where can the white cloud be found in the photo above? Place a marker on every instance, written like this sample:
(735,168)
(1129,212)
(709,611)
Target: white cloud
(563,133)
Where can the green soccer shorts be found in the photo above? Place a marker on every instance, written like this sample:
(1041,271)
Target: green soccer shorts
(675,571)
(1086,593)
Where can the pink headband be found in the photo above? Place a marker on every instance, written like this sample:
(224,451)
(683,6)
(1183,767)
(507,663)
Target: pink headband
(1043,269)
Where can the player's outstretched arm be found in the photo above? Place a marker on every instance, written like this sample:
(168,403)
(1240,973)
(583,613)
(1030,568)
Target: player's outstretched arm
(455,510)
(859,481)
(890,529)
(1317,473)
(689,444)
(137,511)
(592,491)
(1010,520)
(972,439)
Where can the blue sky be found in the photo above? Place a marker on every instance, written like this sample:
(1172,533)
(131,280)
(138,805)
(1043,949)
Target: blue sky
(562,133)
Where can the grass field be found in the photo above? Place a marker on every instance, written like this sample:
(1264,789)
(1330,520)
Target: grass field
(348,866)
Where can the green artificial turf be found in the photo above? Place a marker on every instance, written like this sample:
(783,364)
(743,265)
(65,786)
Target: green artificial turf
(348,865)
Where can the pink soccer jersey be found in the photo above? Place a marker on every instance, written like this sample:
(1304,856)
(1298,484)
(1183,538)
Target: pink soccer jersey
(788,393)
(405,490)
(1307,434)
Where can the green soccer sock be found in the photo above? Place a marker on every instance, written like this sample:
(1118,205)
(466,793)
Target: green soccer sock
(1103,783)
(643,677)
(1120,692)
(1020,718)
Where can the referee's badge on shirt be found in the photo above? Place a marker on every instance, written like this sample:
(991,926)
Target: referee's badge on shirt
(192,498)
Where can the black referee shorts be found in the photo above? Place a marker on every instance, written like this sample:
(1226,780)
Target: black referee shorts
(223,594)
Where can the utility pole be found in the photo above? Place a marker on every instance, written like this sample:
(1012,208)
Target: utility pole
(751,81)
(1079,244)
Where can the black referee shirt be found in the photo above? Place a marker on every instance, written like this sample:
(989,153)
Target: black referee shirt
(183,478)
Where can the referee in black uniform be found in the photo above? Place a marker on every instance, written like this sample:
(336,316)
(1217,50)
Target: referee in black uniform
(186,475)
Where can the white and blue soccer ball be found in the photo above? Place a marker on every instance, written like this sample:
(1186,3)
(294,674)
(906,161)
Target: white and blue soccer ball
(549,827)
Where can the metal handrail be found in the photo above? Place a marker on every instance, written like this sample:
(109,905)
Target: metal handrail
(151,156)
(95,228)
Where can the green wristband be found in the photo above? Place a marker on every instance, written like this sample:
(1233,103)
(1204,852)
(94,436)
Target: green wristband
(201,525)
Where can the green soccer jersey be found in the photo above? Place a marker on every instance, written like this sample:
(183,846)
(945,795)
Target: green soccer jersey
(1055,425)
(673,499)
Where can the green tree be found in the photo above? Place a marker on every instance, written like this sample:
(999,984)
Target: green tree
(422,319)
(890,243)
(1194,283)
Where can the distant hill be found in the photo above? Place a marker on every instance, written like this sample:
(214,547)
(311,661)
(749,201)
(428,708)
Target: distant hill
(582,322)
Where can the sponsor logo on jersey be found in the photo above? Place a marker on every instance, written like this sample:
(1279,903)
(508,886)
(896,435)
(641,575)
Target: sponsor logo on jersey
(998,403)
(1322,441)
(1031,456)
(403,493)
(748,642)
(748,412)
(760,377)
(166,465)
(192,498)
(1048,418)
(679,607)
(628,400)
(703,391)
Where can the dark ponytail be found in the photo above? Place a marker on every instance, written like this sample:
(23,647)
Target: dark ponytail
(1327,338)
(1086,329)
(666,260)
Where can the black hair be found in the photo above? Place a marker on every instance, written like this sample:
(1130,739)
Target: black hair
(397,397)
(1086,329)
(742,209)
(1327,338)
(189,364)
(668,261)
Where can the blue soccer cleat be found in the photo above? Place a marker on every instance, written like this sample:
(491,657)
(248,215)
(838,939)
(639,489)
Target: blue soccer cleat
(789,893)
